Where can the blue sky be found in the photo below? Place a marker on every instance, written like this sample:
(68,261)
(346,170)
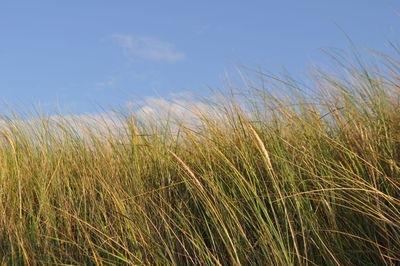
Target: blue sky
(80,54)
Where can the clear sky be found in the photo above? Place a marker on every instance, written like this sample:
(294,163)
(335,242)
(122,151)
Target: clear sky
(77,53)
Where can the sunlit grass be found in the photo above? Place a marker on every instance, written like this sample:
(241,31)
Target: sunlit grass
(312,178)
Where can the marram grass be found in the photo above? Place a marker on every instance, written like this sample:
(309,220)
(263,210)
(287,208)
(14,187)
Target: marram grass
(263,179)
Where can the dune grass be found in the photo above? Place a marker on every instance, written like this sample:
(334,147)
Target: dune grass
(312,178)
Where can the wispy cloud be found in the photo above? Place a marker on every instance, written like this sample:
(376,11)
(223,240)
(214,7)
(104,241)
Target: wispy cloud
(109,83)
(148,48)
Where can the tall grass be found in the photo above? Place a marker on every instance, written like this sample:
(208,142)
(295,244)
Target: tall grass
(312,178)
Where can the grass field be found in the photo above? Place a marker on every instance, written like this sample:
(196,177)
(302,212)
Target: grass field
(274,173)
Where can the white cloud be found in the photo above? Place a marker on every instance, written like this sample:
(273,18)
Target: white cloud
(101,125)
(181,109)
(148,48)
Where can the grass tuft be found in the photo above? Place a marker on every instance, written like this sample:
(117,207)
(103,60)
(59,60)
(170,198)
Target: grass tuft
(276,173)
